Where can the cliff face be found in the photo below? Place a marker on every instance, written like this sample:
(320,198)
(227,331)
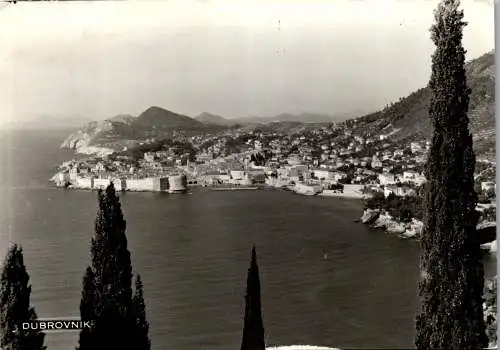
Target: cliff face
(81,140)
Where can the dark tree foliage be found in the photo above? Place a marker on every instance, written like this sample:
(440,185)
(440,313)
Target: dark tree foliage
(401,208)
(142,324)
(260,158)
(107,298)
(491,310)
(451,288)
(137,152)
(15,306)
(236,144)
(336,187)
(346,180)
(253,328)
(177,147)
(489,214)
(396,111)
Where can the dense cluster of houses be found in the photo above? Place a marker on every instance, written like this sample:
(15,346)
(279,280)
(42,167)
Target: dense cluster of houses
(318,157)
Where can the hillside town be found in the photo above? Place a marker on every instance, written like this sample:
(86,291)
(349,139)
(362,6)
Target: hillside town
(332,160)
(319,160)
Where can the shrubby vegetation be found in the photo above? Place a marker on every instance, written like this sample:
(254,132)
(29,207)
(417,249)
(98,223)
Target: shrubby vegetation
(336,187)
(400,208)
(489,214)
(485,196)
(237,144)
(178,147)
(260,158)
(490,299)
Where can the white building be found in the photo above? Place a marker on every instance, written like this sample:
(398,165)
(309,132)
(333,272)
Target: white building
(99,167)
(400,191)
(238,174)
(337,176)
(488,185)
(359,139)
(101,183)
(386,179)
(419,180)
(300,168)
(409,175)
(322,174)
(118,184)
(225,178)
(282,173)
(86,183)
(294,160)
(376,163)
(73,173)
(140,184)
(149,157)
(60,179)
(415,147)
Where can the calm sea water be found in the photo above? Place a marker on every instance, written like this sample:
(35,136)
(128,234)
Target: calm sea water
(325,279)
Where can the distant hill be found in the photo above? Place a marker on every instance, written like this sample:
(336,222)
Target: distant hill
(286,117)
(284,127)
(302,118)
(305,118)
(122,131)
(213,119)
(156,117)
(408,119)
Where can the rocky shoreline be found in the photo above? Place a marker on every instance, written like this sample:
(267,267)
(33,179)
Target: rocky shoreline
(378,219)
(381,220)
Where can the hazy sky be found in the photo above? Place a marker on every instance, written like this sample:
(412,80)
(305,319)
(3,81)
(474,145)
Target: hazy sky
(233,58)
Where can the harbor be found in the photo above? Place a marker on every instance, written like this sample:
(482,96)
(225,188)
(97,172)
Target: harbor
(234,188)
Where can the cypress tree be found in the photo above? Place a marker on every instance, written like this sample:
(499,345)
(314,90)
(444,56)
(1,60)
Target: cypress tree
(107,296)
(15,306)
(142,324)
(451,310)
(253,328)
(87,308)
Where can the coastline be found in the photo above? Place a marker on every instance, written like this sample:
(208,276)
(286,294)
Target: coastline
(381,220)
(374,218)
(353,194)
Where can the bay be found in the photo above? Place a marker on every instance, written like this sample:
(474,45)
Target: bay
(326,280)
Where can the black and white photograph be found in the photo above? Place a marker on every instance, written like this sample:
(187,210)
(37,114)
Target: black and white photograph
(221,175)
